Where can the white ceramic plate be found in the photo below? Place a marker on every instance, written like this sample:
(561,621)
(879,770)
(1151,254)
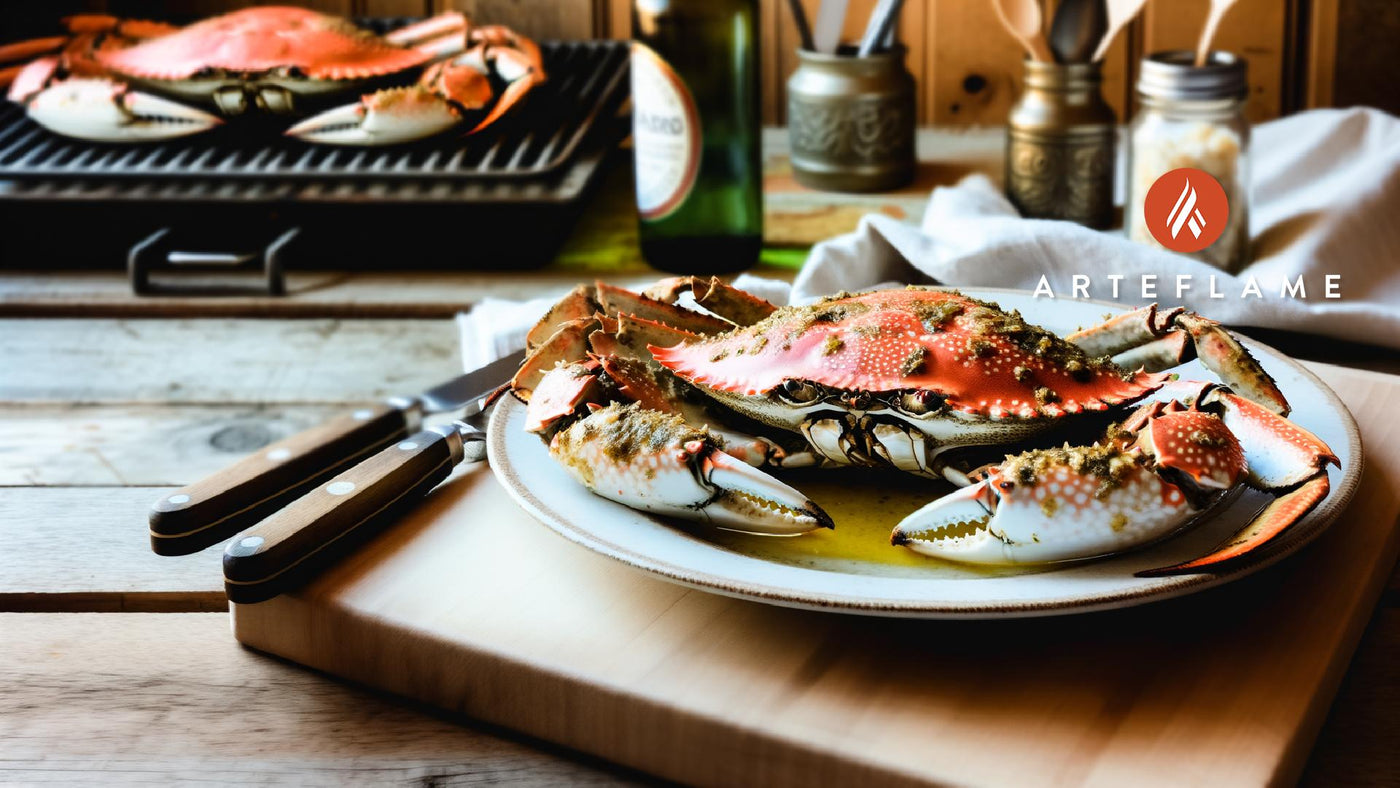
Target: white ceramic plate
(768,570)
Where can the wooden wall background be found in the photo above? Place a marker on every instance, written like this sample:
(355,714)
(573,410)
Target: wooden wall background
(1302,53)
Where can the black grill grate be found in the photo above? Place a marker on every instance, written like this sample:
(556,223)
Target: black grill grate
(587,82)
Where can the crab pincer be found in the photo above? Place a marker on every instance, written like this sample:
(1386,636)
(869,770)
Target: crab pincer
(475,87)
(1168,462)
(101,109)
(657,463)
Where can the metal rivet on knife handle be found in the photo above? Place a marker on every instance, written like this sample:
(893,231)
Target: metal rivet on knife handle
(214,508)
(289,547)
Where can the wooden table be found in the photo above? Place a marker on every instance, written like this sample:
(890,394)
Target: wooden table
(118,665)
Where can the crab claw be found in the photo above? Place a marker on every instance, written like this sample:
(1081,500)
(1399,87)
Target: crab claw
(1153,338)
(521,75)
(385,118)
(107,111)
(1038,509)
(655,462)
(1283,459)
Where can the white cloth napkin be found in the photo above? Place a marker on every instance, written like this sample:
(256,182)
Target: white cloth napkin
(497,326)
(1326,200)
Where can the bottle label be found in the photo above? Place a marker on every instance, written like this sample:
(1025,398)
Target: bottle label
(665,135)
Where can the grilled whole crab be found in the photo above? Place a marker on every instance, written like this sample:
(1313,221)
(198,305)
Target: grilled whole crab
(115,80)
(671,410)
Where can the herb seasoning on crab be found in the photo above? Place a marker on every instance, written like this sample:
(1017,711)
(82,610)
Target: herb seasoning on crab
(675,411)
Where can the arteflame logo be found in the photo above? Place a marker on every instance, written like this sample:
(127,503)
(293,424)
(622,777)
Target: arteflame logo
(1186,210)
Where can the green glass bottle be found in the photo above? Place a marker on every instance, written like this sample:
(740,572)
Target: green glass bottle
(695,134)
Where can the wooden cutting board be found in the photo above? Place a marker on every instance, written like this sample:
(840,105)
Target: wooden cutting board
(470,605)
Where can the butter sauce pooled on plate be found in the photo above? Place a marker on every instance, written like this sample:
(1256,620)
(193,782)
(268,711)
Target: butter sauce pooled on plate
(865,505)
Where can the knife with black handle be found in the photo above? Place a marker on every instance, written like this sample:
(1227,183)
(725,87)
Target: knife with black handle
(213,509)
(293,544)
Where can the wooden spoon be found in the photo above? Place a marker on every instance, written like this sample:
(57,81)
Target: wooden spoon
(1120,13)
(1217,11)
(1021,18)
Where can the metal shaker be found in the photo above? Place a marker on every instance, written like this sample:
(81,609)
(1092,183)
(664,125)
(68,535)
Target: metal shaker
(851,120)
(1061,145)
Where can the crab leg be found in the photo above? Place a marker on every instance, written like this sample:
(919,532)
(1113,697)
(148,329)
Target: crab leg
(728,302)
(579,303)
(23,51)
(440,101)
(440,36)
(521,77)
(100,109)
(1222,354)
(567,345)
(1156,355)
(449,23)
(559,394)
(1281,513)
(618,301)
(633,337)
(641,382)
(1282,458)
(1124,331)
(656,462)
(1218,350)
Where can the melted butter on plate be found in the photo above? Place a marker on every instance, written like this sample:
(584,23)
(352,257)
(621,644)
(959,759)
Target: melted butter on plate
(865,505)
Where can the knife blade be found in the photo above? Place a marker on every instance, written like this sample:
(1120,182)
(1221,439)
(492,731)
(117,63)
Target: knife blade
(293,544)
(218,506)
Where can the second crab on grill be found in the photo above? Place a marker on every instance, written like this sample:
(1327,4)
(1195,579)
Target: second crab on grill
(115,80)
(684,413)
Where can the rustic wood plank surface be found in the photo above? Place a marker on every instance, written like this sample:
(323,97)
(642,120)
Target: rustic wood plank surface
(331,294)
(85,548)
(154,699)
(186,361)
(142,445)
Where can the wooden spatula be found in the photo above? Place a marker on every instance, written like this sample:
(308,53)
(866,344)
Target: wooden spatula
(1120,13)
(1217,11)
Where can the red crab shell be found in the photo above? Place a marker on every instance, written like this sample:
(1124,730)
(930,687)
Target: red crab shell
(257,40)
(909,339)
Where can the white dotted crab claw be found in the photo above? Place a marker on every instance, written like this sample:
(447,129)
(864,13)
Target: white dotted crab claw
(101,109)
(1059,518)
(385,118)
(656,463)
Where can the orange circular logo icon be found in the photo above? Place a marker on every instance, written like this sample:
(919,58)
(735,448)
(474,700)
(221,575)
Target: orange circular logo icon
(1186,210)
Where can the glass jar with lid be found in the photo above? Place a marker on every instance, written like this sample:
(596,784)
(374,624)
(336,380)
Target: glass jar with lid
(1193,117)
